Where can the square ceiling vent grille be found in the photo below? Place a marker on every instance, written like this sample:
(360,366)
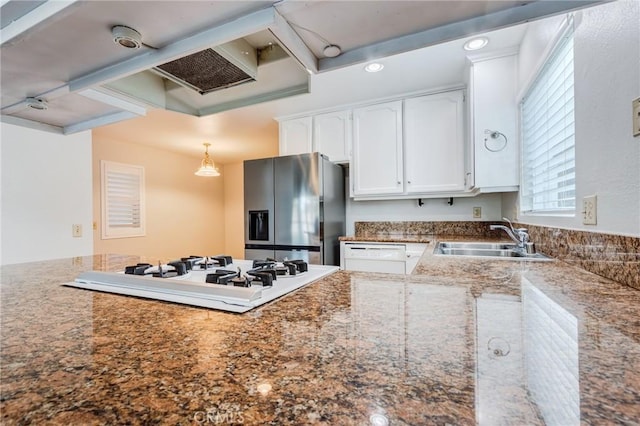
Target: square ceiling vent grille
(205,71)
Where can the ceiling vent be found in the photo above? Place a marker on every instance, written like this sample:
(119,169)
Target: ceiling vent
(214,69)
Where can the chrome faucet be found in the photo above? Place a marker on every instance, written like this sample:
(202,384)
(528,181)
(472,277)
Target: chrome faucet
(519,235)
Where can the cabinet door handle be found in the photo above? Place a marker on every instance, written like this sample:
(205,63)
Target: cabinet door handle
(409,182)
(399,182)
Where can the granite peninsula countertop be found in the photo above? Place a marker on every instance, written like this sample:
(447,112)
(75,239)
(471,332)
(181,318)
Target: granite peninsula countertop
(460,342)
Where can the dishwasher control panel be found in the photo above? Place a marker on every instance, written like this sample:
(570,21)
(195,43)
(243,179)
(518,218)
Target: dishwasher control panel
(397,258)
(375,251)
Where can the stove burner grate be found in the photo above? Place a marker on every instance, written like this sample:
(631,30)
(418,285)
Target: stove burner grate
(170,270)
(180,267)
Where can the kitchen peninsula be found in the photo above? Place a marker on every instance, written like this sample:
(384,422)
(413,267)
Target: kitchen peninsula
(460,341)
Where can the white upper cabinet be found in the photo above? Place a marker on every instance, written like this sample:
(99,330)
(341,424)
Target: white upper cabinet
(332,135)
(434,143)
(376,167)
(329,133)
(415,152)
(296,136)
(406,148)
(494,130)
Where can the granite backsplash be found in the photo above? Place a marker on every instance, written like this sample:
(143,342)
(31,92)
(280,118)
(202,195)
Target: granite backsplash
(612,256)
(471,229)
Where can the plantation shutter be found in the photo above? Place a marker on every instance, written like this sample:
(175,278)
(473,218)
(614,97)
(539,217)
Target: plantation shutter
(122,200)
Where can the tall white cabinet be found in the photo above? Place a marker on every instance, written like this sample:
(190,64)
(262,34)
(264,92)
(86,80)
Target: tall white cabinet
(376,166)
(495,116)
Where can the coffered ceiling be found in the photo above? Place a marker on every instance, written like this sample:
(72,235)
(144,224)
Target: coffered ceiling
(61,54)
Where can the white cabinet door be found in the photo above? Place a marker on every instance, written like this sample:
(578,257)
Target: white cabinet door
(376,166)
(434,143)
(295,136)
(332,135)
(495,135)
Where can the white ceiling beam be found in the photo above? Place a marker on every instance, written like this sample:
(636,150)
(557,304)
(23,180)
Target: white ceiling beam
(12,109)
(301,89)
(456,30)
(47,96)
(36,125)
(98,121)
(33,18)
(106,97)
(241,27)
(291,42)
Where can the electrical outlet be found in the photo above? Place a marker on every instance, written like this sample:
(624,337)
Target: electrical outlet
(589,210)
(76,230)
(477,212)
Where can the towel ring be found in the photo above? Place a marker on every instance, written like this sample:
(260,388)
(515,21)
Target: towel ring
(494,134)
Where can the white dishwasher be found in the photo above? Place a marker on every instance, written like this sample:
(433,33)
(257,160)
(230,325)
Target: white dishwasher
(390,258)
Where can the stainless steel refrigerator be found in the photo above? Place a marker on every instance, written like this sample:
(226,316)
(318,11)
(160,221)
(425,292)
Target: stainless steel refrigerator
(294,208)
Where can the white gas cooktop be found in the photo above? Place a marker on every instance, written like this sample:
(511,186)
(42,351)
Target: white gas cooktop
(192,289)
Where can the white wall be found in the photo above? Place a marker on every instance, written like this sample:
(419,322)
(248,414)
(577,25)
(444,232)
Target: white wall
(46,187)
(435,209)
(607,79)
(184,213)
(234,210)
(535,46)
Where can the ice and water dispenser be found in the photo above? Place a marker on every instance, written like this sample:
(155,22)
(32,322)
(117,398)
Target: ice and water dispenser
(259,225)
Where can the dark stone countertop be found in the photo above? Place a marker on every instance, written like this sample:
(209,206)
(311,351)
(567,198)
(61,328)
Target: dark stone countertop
(460,341)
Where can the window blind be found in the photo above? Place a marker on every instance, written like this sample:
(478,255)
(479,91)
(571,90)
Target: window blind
(122,200)
(548,135)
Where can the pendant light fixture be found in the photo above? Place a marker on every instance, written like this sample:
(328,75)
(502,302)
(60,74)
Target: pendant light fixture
(207,168)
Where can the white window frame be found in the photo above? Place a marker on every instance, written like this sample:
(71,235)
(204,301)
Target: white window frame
(547,207)
(132,200)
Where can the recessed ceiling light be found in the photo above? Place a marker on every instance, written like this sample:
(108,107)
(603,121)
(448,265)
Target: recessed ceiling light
(476,43)
(126,37)
(374,67)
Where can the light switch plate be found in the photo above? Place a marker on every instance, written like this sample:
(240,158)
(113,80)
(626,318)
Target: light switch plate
(636,117)
(589,210)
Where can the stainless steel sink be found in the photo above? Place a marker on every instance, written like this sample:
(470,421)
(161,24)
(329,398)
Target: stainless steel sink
(491,250)
(479,246)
